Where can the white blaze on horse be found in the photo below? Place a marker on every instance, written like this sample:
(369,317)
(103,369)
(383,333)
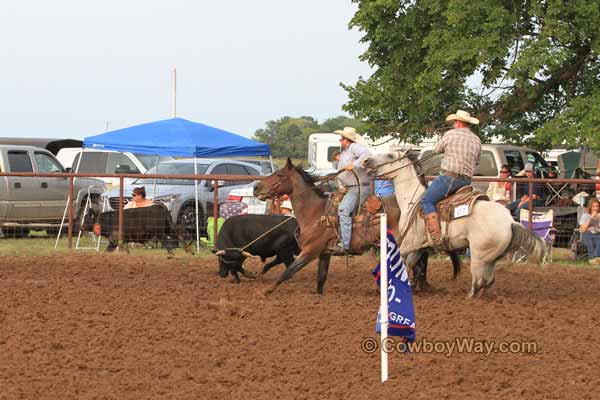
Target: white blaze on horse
(487,229)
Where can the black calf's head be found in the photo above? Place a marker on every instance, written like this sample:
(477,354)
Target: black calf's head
(231,260)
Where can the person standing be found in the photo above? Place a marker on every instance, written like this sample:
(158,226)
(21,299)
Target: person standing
(350,160)
(461,149)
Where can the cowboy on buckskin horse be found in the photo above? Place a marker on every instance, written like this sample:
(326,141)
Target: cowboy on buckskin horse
(350,160)
(461,149)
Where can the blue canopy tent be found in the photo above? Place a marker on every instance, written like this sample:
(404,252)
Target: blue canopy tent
(177,137)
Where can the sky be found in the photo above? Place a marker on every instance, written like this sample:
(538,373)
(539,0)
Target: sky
(72,68)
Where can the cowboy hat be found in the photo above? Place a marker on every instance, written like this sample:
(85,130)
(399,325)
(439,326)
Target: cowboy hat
(462,116)
(348,133)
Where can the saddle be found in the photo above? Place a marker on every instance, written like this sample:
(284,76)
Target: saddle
(368,211)
(367,216)
(459,204)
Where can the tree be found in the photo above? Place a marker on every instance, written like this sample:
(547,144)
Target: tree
(527,69)
(288,136)
(339,122)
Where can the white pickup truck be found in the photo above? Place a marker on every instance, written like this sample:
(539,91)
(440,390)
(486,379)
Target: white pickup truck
(38,203)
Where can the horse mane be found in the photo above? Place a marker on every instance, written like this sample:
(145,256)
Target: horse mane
(310,180)
(413,156)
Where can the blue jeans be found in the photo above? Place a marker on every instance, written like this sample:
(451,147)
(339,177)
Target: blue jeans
(592,243)
(346,209)
(441,187)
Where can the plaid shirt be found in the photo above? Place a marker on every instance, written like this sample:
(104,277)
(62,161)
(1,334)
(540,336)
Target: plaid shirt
(461,149)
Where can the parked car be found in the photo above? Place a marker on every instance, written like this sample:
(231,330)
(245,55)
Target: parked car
(493,156)
(38,203)
(114,162)
(178,195)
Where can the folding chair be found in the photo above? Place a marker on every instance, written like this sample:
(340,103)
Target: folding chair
(554,192)
(543,226)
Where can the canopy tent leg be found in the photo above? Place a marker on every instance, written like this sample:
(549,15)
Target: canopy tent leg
(197,213)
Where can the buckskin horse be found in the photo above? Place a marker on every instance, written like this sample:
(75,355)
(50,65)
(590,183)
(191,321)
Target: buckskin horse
(488,229)
(317,230)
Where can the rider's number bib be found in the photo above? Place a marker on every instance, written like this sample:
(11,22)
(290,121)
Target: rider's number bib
(461,211)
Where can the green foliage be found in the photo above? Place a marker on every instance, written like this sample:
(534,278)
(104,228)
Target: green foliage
(288,136)
(528,69)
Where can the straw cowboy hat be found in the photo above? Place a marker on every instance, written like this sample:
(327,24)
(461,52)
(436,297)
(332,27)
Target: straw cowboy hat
(349,133)
(462,116)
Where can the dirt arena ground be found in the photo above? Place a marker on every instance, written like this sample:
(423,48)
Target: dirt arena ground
(138,327)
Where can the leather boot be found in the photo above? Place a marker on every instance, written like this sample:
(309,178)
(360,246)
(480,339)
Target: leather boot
(432,222)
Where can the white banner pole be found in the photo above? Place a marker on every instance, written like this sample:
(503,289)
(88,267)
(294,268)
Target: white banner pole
(383,291)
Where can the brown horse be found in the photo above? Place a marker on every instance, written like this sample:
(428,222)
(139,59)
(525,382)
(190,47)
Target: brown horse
(310,204)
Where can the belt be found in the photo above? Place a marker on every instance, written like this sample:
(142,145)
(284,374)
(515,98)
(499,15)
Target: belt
(455,175)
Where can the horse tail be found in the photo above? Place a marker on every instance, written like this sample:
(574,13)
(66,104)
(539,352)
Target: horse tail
(529,241)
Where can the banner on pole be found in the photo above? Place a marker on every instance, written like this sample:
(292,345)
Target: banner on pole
(401,310)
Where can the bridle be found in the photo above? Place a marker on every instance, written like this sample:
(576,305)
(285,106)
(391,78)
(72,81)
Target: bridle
(412,211)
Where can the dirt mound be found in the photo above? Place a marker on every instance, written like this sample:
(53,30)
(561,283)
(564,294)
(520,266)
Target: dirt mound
(130,327)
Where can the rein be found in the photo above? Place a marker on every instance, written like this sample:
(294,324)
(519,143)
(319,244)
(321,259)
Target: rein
(416,162)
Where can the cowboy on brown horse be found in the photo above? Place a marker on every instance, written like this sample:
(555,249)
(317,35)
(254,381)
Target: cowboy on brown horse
(350,160)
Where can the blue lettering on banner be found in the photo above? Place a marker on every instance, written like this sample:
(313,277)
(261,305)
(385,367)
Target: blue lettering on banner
(401,310)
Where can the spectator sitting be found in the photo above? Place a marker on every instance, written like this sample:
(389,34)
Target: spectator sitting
(589,226)
(500,191)
(138,199)
(523,193)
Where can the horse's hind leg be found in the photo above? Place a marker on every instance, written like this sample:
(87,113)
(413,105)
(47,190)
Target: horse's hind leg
(477,267)
(483,275)
(297,265)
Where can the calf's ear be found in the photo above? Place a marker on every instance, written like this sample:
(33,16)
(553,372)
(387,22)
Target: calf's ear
(289,164)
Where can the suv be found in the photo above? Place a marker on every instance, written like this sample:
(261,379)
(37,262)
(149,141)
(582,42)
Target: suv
(38,202)
(493,156)
(178,195)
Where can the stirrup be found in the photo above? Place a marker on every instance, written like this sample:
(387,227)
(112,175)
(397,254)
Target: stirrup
(337,250)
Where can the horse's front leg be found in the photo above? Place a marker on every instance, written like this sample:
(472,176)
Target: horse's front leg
(300,262)
(456,264)
(322,271)
(417,262)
